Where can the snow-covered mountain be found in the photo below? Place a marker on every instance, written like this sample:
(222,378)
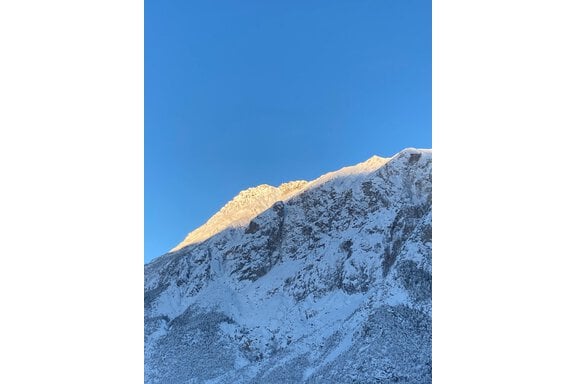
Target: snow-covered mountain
(327,281)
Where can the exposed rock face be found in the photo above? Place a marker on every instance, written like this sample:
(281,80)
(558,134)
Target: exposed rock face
(326,281)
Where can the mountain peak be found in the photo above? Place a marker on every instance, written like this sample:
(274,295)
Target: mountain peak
(374,162)
(242,208)
(375,158)
(253,201)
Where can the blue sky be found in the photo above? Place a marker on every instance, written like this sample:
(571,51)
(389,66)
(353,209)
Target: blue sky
(242,93)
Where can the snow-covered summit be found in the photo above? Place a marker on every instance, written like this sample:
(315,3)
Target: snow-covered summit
(251,202)
(241,209)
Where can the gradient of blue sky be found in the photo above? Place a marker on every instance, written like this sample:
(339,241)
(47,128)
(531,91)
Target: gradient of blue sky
(241,93)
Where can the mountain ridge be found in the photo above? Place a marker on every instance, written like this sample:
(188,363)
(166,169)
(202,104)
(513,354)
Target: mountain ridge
(224,218)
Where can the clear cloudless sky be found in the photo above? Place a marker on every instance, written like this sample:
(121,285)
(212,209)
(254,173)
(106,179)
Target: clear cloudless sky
(242,93)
